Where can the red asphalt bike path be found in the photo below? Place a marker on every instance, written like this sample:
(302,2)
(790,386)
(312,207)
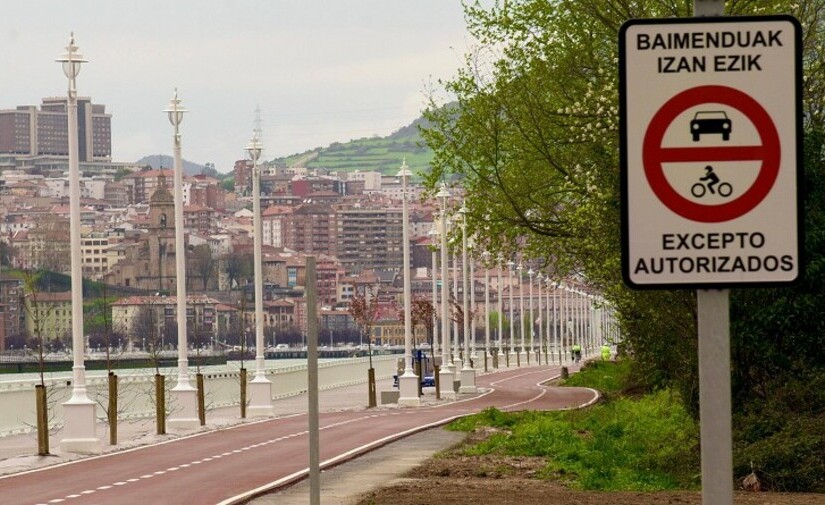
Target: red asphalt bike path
(234,464)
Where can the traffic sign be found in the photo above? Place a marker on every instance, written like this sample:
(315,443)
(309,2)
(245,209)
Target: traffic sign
(710,151)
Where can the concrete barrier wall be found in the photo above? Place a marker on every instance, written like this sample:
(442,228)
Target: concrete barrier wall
(136,390)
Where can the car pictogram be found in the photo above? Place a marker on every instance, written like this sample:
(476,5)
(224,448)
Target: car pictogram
(710,122)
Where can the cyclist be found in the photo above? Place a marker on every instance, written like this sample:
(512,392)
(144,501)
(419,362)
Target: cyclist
(711,177)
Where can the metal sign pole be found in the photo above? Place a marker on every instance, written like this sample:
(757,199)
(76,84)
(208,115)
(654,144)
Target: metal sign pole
(715,396)
(714,369)
(312,383)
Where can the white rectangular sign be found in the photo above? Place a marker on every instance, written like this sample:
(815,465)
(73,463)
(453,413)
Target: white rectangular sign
(711,151)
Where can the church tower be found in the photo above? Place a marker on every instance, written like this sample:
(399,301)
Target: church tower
(161,262)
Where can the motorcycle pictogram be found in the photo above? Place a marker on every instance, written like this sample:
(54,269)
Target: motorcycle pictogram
(710,182)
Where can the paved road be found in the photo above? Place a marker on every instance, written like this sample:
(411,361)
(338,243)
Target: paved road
(229,465)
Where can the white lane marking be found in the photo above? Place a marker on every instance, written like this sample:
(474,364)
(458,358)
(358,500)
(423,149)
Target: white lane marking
(390,438)
(523,374)
(333,425)
(103,488)
(530,400)
(149,446)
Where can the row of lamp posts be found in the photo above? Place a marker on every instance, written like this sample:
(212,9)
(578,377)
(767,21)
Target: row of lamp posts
(80,423)
(80,431)
(565,315)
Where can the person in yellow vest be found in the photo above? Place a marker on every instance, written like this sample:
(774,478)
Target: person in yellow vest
(576,351)
(605,352)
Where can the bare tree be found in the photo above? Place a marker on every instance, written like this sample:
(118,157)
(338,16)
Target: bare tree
(201,264)
(39,315)
(364,310)
(147,325)
(238,268)
(102,333)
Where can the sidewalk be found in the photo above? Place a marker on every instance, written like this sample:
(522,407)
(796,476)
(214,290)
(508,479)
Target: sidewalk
(345,484)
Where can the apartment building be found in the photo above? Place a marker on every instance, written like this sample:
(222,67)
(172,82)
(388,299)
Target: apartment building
(314,229)
(49,315)
(94,254)
(27,130)
(12,314)
(142,185)
(369,238)
(276,225)
(201,315)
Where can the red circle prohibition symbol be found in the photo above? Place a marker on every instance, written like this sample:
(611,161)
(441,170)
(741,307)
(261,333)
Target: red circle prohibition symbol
(768,152)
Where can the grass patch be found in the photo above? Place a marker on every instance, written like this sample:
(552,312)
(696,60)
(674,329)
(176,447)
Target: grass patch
(608,377)
(634,444)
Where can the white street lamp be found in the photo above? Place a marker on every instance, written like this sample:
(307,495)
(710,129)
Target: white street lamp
(554,318)
(473,312)
(563,326)
(468,375)
(486,260)
(184,395)
(80,435)
(532,348)
(408,382)
(523,356)
(551,319)
(260,388)
(446,374)
(512,355)
(433,233)
(501,356)
(579,320)
(539,279)
(456,342)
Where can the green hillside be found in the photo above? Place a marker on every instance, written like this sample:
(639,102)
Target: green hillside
(382,154)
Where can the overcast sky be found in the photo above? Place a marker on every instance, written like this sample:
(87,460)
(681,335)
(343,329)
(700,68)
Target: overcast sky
(321,70)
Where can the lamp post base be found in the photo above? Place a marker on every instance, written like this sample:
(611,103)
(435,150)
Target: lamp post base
(408,390)
(184,406)
(446,379)
(260,398)
(80,427)
(468,381)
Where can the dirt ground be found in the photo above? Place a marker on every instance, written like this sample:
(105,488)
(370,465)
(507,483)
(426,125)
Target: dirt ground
(479,480)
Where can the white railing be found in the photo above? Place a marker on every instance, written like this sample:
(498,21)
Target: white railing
(136,390)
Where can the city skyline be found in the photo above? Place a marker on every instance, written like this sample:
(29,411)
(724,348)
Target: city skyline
(320,73)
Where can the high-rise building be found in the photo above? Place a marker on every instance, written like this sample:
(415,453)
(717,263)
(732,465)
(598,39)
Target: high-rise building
(369,238)
(28,130)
